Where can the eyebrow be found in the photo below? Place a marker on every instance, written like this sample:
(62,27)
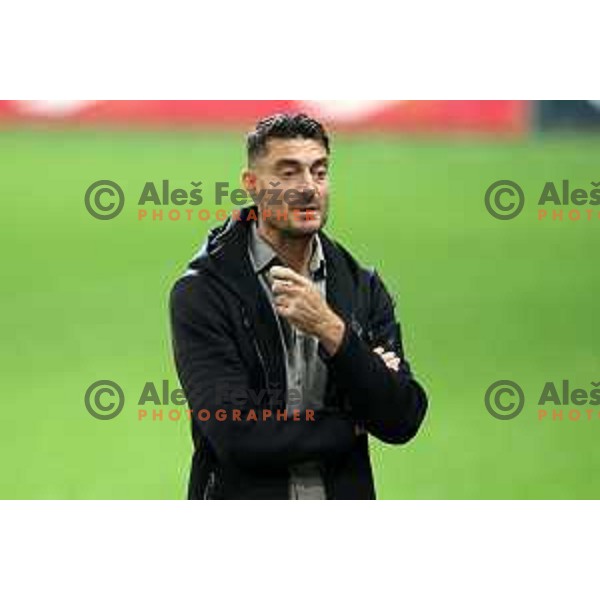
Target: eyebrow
(291,162)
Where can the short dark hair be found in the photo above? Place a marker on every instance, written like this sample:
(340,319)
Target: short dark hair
(284,126)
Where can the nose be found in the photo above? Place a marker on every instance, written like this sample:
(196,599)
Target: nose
(308,194)
(307,187)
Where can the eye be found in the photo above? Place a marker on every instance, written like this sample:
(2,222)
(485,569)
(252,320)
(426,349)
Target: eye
(321,173)
(287,173)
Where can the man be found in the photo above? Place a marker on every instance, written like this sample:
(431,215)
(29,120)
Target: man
(288,351)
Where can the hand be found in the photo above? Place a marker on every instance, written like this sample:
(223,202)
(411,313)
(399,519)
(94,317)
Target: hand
(391,359)
(298,300)
(392,362)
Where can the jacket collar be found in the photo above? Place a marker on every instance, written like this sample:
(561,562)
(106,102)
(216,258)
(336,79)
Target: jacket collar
(225,255)
(263,255)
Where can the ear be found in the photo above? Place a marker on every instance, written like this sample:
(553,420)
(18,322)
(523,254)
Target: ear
(249,180)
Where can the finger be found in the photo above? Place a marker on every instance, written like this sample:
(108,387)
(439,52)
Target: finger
(394,364)
(278,272)
(391,359)
(283,286)
(281,300)
(389,356)
(378,350)
(283,310)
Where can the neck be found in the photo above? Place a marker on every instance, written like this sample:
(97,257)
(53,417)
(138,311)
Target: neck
(293,251)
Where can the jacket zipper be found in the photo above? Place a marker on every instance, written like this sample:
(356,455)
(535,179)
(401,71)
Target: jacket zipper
(261,359)
(209,486)
(262,362)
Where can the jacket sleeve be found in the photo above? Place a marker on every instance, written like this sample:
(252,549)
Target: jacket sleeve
(391,404)
(207,359)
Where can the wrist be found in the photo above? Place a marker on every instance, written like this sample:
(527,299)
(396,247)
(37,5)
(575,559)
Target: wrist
(331,333)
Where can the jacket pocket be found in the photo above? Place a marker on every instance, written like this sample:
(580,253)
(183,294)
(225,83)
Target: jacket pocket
(253,339)
(214,486)
(364,333)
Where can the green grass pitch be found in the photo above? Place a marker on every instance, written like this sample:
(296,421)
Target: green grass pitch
(479,299)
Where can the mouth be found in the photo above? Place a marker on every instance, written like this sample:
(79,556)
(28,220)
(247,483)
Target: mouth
(307,209)
(308,214)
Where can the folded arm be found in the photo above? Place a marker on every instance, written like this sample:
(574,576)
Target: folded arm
(207,359)
(383,394)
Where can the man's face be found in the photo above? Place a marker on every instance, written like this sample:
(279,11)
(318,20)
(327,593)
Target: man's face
(292,175)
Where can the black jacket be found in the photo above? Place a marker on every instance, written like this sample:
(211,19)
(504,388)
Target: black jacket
(226,337)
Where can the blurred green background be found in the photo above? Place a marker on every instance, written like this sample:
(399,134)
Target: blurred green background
(479,300)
